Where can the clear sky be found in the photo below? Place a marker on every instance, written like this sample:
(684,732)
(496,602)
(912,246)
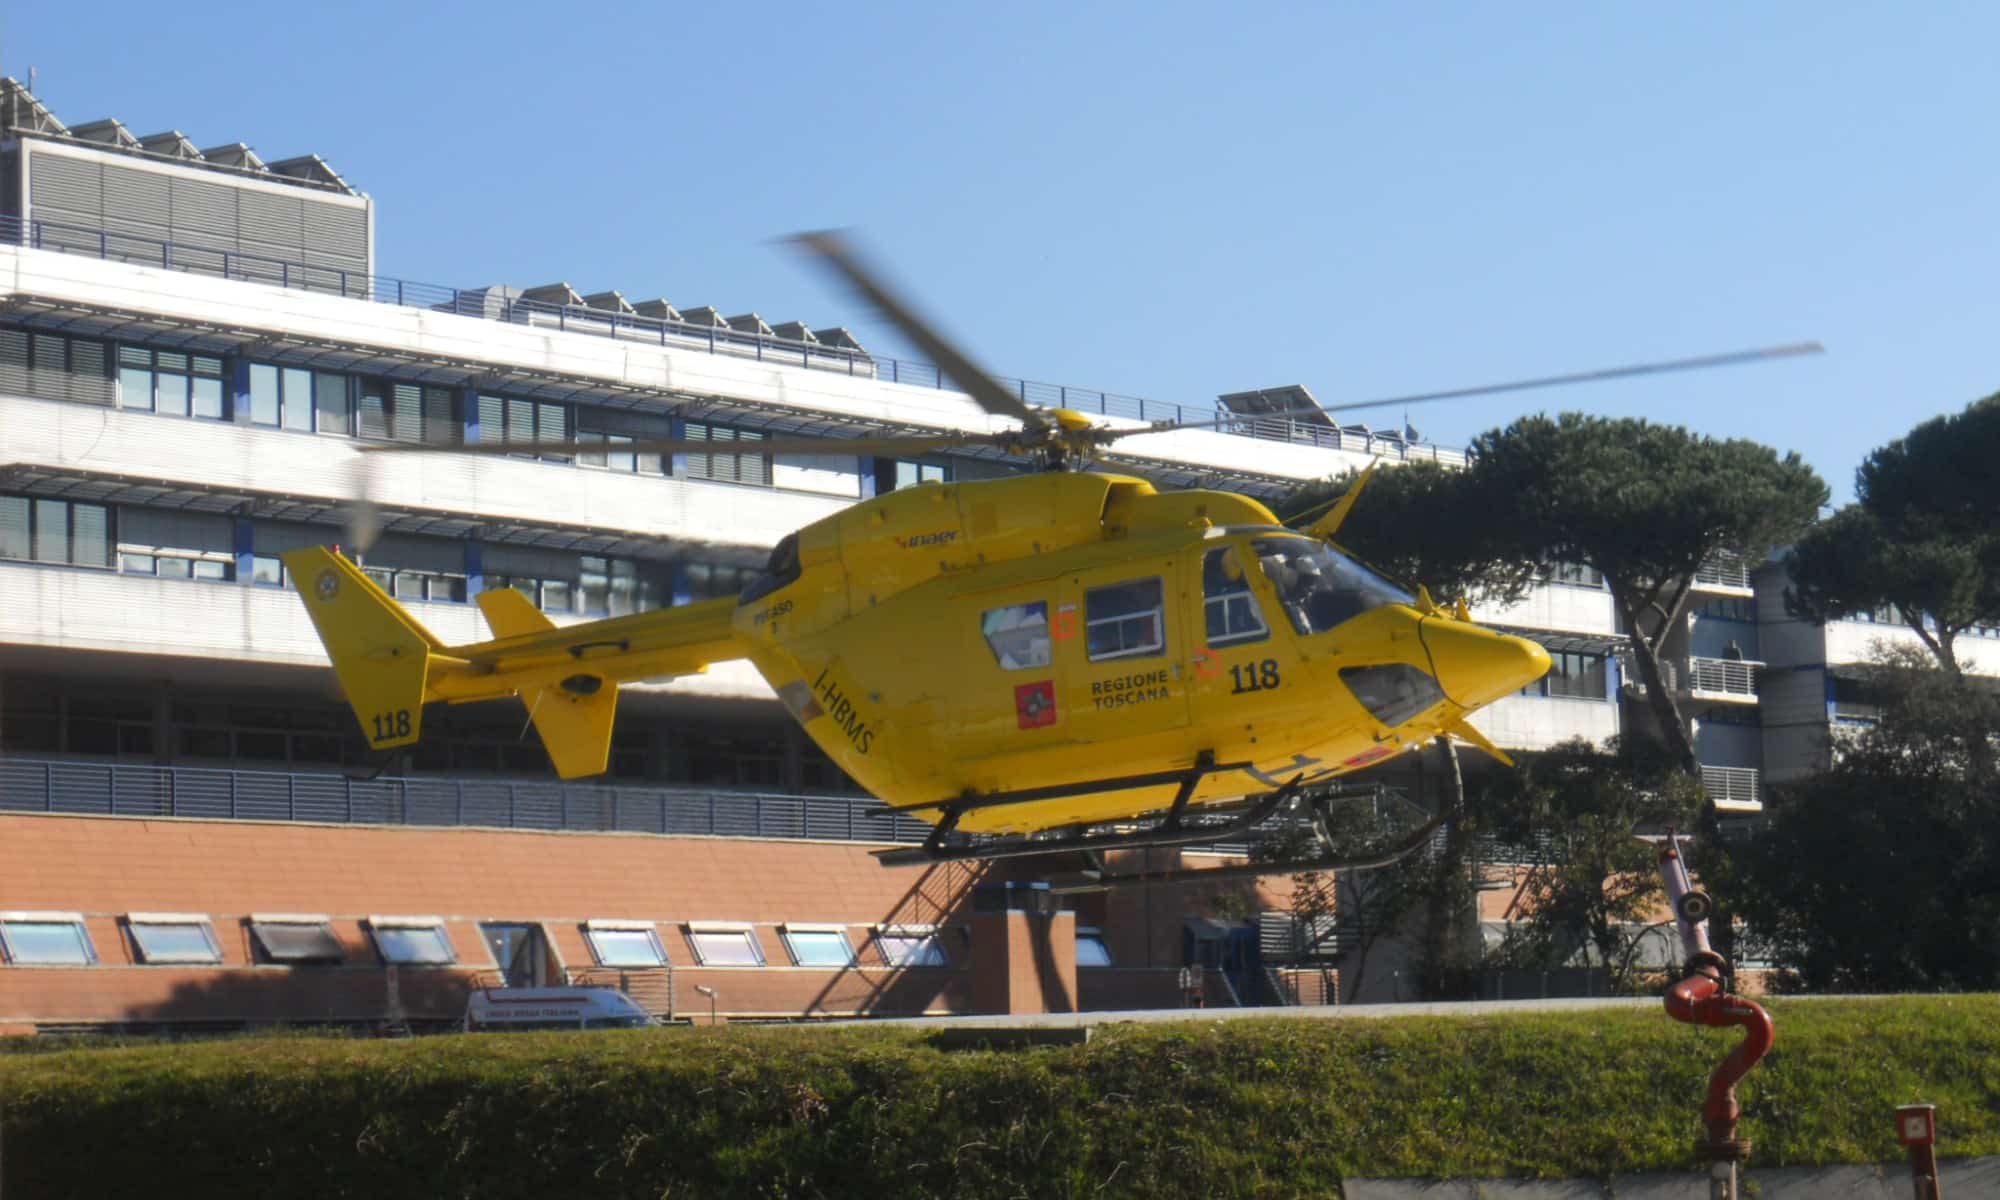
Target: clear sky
(1173,200)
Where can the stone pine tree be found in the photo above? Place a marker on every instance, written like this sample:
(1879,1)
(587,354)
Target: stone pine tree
(1646,505)
(1922,537)
(1882,873)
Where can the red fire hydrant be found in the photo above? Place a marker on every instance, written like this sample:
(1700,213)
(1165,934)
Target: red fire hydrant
(1700,999)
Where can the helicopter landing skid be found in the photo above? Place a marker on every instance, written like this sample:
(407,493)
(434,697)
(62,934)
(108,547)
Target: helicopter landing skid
(1172,829)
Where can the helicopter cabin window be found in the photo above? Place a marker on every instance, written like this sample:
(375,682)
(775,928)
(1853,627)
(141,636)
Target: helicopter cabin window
(1018,635)
(1125,620)
(1229,605)
(1319,587)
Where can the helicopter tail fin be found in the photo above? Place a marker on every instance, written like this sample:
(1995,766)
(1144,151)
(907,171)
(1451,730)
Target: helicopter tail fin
(380,653)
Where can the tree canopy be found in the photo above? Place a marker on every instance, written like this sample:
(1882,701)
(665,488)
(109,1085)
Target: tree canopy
(1922,537)
(1883,873)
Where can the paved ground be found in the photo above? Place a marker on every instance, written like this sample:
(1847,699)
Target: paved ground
(1963,1179)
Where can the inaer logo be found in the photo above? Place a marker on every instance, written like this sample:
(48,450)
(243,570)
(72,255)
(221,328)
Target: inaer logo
(918,540)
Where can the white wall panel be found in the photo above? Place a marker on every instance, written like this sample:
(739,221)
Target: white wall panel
(1537,722)
(214,454)
(1555,606)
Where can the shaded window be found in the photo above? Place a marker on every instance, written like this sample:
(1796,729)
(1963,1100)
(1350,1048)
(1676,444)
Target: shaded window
(818,945)
(420,940)
(1090,948)
(55,531)
(1125,620)
(170,938)
(625,945)
(56,367)
(910,946)
(47,939)
(1574,574)
(296,940)
(909,473)
(514,419)
(1581,675)
(1319,587)
(611,458)
(1018,635)
(725,945)
(705,581)
(1229,607)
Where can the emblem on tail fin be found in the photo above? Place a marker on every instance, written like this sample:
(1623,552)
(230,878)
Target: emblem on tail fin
(327,586)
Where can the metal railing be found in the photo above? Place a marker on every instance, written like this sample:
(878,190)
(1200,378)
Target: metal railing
(1724,676)
(1731,785)
(128,790)
(504,305)
(1723,571)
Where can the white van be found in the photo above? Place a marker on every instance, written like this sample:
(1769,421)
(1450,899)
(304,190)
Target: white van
(503,1009)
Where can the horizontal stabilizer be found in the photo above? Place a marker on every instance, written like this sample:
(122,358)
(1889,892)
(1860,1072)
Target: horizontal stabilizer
(508,613)
(574,721)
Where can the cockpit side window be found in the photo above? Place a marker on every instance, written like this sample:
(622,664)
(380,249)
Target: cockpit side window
(1229,606)
(1318,587)
(783,568)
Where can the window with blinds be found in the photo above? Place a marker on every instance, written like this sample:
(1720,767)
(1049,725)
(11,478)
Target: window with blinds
(55,367)
(39,529)
(407,412)
(739,467)
(514,419)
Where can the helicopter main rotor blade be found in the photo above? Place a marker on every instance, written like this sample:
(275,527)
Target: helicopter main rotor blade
(833,250)
(885,447)
(1734,358)
(1702,362)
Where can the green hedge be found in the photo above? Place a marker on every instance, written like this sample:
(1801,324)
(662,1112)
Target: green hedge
(1261,1107)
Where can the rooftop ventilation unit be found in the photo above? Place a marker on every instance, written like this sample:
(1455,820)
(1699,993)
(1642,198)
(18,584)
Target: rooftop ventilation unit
(553,293)
(171,144)
(21,110)
(611,301)
(1292,401)
(705,316)
(839,339)
(108,132)
(235,154)
(795,331)
(749,323)
(312,169)
(659,310)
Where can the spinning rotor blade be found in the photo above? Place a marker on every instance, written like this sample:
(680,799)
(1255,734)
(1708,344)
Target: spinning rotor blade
(886,447)
(833,250)
(1733,358)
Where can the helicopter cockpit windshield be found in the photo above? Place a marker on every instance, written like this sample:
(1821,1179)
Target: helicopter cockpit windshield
(1318,586)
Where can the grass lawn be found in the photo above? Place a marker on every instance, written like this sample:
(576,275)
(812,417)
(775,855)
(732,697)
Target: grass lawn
(1276,1107)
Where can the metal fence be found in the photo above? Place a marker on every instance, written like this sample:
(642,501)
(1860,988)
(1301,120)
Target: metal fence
(507,306)
(1724,676)
(1731,785)
(118,789)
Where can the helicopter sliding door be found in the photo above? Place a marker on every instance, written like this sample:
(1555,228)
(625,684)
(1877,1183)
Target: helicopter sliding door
(1120,655)
(1242,660)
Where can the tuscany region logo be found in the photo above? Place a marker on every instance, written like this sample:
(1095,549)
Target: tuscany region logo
(1035,704)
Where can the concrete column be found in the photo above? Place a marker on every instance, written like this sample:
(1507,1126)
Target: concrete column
(1023,950)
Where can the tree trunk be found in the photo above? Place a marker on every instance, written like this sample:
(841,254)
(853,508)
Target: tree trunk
(1442,951)
(1666,710)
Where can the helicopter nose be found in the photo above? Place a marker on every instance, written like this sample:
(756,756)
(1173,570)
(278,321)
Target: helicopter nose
(1476,666)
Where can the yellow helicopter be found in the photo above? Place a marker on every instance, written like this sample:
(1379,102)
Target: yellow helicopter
(1018,660)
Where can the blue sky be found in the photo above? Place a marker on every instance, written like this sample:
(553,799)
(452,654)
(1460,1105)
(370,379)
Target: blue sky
(1174,200)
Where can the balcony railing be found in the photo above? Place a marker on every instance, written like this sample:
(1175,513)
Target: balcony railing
(1734,678)
(1732,787)
(500,304)
(118,789)
(1724,571)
